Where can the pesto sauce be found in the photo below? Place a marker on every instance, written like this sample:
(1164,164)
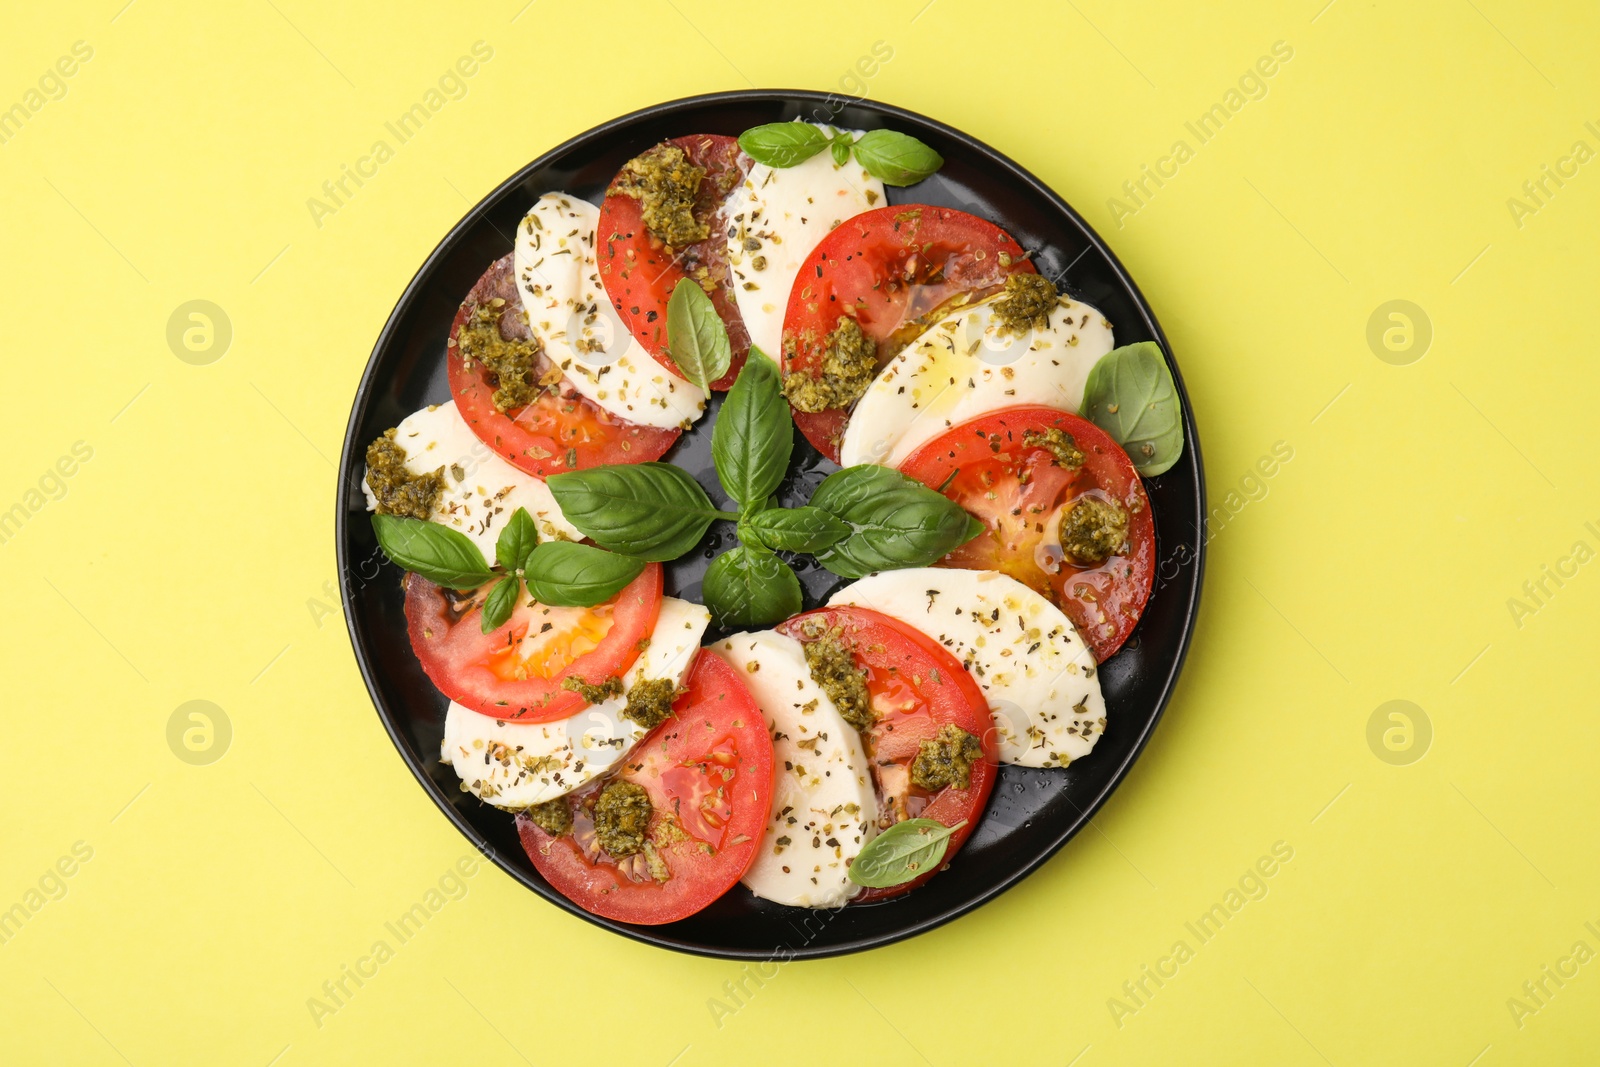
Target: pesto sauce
(400,492)
(594,694)
(1058,443)
(849,364)
(650,701)
(554,817)
(946,760)
(513,362)
(1093,530)
(622,818)
(833,668)
(665,183)
(1026,303)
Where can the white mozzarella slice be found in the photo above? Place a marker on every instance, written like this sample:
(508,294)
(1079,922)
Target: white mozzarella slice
(1041,680)
(967,365)
(481,490)
(515,765)
(569,312)
(779,215)
(824,808)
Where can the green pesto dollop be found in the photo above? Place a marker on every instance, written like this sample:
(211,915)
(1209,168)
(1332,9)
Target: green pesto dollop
(665,183)
(622,818)
(400,492)
(594,694)
(1026,303)
(1093,530)
(514,362)
(849,364)
(554,817)
(833,668)
(1058,443)
(946,760)
(650,701)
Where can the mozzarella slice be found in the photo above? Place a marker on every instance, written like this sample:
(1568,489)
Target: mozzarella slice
(824,808)
(568,311)
(1041,680)
(779,215)
(515,765)
(965,366)
(481,490)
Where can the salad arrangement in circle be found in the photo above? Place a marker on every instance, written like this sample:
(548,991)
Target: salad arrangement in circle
(989,509)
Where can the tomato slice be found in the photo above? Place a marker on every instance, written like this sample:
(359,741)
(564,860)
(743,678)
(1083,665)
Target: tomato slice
(708,773)
(639,272)
(554,433)
(517,670)
(1020,493)
(917,688)
(894,269)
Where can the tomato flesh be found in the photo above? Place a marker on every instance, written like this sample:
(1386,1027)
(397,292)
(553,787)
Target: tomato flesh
(917,688)
(1017,491)
(639,272)
(517,670)
(555,433)
(708,773)
(893,269)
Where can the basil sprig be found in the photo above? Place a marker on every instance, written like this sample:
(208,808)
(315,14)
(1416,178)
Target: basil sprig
(754,435)
(904,852)
(895,521)
(750,586)
(808,529)
(513,550)
(443,556)
(654,511)
(1131,396)
(567,574)
(697,340)
(892,157)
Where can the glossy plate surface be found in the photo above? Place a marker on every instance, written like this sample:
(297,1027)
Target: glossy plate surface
(1033,812)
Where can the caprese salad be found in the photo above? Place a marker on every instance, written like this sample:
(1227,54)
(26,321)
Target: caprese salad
(989,517)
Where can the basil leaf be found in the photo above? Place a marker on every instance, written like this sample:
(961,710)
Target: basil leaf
(754,435)
(696,338)
(841,149)
(655,511)
(896,158)
(441,555)
(807,529)
(783,144)
(905,851)
(501,603)
(1131,396)
(750,587)
(569,575)
(895,521)
(516,540)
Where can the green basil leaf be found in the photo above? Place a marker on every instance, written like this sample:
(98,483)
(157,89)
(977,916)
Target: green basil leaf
(896,158)
(750,587)
(807,529)
(783,144)
(501,603)
(895,521)
(1131,396)
(567,574)
(516,540)
(905,851)
(841,149)
(655,511)
(754,433)
(441,555)
(696,338)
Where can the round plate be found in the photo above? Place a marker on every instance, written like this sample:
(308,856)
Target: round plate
(1032,812)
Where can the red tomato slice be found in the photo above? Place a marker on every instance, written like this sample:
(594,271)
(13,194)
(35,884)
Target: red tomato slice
(639,272)
(708,771)
(984,466)
(501,675)
(554,433)
(917,687)
(892,268)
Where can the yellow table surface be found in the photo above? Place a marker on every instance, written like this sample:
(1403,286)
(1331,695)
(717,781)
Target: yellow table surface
(1428,541)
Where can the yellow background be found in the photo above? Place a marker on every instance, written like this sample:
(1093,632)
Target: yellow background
(190,557)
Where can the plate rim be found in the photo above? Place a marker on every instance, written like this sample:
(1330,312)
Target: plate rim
(647,934)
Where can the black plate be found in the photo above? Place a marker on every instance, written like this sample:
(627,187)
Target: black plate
(1033,812)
